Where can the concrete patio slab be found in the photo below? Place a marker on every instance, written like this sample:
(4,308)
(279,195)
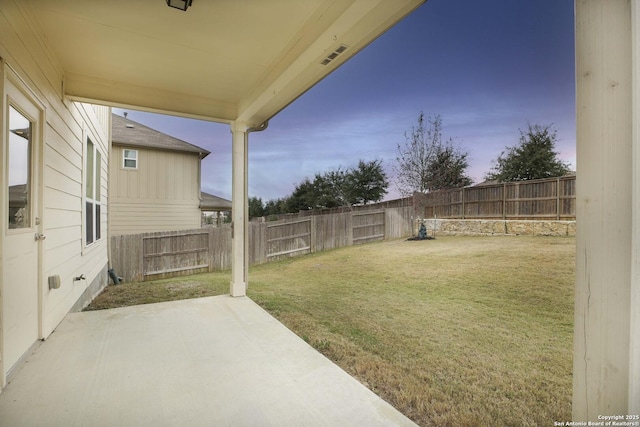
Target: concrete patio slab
(216,361)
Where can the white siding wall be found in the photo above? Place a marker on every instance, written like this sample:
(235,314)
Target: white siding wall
(162,194)
(67,124)
(65,253)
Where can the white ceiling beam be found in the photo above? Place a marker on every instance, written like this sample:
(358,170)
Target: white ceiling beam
(119,94)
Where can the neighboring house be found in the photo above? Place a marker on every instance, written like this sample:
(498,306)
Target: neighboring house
(155,180)
(214,206)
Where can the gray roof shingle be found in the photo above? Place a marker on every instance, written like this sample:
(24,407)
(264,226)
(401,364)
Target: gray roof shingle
(127,132)
(213,203)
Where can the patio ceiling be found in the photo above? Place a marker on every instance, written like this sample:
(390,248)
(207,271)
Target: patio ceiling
(220,60)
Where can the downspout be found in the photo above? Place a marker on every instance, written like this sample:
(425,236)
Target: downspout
(109,192)
(264,125)
(200,157)
(259,128)
(240,206)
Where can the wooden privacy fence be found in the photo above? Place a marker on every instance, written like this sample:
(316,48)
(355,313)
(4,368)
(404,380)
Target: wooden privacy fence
(368,226)
(139,257)
(550,199)
(148,256)
(290,238)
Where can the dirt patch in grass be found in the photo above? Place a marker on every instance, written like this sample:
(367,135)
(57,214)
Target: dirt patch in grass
(457,331)
(127,294)
(182,286)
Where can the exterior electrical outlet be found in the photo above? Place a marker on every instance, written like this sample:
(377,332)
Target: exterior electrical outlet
(54,282)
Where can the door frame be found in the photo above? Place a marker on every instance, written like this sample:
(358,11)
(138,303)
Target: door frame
(8,76)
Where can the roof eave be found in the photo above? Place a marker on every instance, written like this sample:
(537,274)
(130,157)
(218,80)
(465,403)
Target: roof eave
(354,27)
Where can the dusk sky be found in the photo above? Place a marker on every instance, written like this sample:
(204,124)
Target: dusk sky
(487,68)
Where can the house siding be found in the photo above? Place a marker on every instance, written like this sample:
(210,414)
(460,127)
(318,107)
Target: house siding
(162,194)
(66,125)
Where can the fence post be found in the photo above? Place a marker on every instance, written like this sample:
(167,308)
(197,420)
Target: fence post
(210,259)
(558,198)
(504,201)
(463,208)
(518,199)
(140,260)
(314,231)
(384,224)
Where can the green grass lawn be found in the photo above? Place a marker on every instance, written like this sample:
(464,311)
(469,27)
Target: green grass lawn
(454,331)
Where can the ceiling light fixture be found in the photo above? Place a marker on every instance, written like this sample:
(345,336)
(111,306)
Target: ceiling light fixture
(179,4)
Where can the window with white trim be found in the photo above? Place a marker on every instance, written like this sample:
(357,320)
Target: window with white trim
(130,159)
(93,166)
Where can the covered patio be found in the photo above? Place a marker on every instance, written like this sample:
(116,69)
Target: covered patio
(241,63)
(212,361)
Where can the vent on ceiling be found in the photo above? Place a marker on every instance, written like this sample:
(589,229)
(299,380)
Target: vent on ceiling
(334,54)
(129,125)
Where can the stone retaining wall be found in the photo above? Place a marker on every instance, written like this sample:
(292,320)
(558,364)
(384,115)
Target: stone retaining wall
(487,227)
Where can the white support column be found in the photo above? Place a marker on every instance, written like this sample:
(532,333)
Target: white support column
(239,210)
(634,300)
(605,360)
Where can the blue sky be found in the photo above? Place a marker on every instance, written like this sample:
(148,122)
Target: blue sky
(487,68)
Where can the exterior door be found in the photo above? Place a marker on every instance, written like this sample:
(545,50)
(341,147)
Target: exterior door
(20,275)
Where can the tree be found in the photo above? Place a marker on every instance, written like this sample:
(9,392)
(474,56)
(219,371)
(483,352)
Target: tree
(448,169)
(367,183)
(357,185)
(332,189)
(340,187)
(414,156)
(425,163)
(275,207)
(256,208)
(303,198)
(532,158)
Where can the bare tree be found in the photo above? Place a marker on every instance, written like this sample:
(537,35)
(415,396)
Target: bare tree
(425,163)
